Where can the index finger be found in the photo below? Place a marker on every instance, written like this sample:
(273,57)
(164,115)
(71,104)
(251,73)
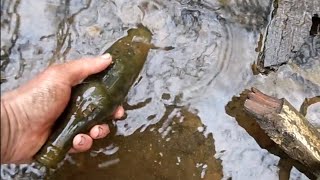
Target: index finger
(78,70)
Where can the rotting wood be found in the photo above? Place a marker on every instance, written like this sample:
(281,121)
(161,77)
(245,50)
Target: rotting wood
(287,128)
(235,109)
(289,27)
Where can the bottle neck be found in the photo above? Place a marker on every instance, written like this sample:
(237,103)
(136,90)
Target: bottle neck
(50,156)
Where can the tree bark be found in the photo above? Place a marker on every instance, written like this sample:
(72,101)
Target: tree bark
(287,128)
(291,24)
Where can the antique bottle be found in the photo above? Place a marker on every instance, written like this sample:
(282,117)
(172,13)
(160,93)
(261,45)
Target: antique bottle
(97,97)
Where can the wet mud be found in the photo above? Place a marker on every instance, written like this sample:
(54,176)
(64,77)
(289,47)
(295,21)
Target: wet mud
(173,149)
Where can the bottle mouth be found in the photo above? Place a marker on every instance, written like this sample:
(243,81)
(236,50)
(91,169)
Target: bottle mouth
(140,39)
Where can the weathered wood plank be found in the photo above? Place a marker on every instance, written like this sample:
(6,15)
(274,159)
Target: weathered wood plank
(288,29)
(287,128)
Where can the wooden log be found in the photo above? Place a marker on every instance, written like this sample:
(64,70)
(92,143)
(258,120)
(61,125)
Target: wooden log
(287,128)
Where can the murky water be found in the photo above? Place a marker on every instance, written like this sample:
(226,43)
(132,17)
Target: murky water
(178,124)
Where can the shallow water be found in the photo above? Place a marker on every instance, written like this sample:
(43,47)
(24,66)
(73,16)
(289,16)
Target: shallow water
(177,124)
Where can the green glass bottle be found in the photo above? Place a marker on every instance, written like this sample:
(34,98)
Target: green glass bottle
(97,97)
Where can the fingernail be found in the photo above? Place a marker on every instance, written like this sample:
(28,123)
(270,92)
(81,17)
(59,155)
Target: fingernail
(106,56)
(100,132)
(82,141)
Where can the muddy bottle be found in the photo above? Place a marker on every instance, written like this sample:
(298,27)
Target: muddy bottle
(96,98)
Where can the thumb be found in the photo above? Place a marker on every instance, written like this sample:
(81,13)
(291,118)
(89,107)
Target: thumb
(77,70)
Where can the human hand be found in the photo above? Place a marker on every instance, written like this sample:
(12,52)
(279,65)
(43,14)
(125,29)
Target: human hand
(28,112)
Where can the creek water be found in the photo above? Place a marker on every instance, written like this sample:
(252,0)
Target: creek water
(179,121)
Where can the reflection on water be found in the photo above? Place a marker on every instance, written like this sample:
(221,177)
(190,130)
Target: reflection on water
(176,125)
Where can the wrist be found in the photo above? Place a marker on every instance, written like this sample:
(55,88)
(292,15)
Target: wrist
(5,131)
(9,126)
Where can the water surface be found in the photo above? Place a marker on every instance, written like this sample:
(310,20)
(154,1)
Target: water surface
(177,125)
